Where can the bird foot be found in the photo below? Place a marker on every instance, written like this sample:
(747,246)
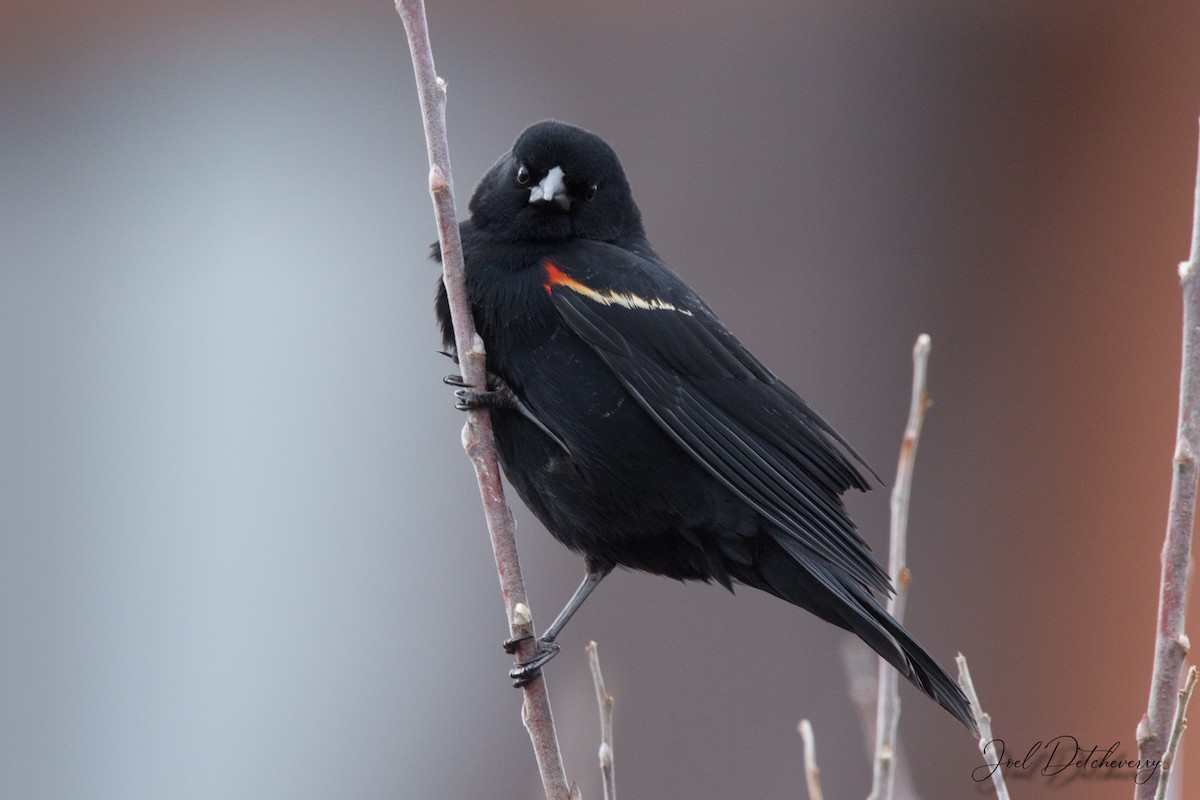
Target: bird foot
(510,645)
(497,395)
(524,672)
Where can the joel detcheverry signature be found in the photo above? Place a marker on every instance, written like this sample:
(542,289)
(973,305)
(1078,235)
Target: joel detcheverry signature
(1054,756)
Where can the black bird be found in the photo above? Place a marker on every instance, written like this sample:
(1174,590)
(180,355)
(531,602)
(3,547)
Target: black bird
(635,426)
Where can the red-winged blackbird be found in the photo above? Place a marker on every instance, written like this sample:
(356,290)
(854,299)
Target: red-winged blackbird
(632,422)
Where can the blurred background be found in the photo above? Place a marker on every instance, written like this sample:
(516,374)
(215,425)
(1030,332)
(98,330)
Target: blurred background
(241,551)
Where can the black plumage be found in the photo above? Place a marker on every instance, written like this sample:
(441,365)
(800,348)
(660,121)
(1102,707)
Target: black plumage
(635,426)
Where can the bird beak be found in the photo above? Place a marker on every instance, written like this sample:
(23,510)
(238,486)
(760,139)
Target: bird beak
(552,189)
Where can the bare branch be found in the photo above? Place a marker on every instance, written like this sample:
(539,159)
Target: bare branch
(983,720)
(888,704)
(1185,697)
(477,433)
(861,666)
(812,774)
(1171,645)
(605,702)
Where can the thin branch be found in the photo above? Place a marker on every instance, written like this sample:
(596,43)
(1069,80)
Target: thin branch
(983,720)
(477,433)
(605,701)
(861,666)
(888,705)
(812,773)
(1171,645)
(1185,697)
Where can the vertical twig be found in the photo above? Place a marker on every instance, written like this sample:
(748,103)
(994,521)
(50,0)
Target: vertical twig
(477,433)
(888,705)
(605,702)
(812,774)
(1185,697)
(1171,645)
(861,666)
(983,720)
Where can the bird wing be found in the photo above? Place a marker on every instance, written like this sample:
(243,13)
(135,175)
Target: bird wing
(715,399)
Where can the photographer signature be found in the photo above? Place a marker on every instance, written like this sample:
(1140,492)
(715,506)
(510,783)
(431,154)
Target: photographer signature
(1054,756)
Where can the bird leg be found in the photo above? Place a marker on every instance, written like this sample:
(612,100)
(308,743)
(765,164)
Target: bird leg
(545,647)
(500,396)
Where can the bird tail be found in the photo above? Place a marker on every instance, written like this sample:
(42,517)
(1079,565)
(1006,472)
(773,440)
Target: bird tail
(820,588)
(902,651)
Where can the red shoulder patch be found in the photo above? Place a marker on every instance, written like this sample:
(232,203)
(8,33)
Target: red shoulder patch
(556,277)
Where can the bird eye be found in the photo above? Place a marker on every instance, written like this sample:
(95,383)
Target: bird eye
(522,175)
(590,194)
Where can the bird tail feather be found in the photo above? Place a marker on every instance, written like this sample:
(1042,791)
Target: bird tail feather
(820,588)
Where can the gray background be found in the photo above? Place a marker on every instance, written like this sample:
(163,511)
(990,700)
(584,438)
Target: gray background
(241,553)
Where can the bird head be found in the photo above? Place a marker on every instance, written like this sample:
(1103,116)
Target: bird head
(557,182)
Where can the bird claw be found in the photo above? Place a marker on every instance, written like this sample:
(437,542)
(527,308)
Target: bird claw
(494,382)
(497,395)
(524,672)
(469,400)
(510,645)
